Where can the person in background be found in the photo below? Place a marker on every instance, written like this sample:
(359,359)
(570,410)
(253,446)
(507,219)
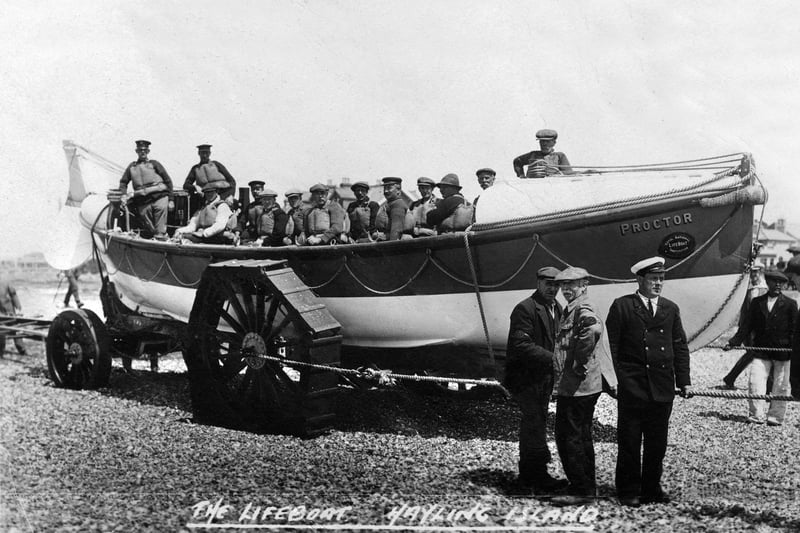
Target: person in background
(208,225)
(324,221)
(296,211)
(792,269)
(757,288)
(272,223)
(72,287)
(450,213)
(420,208)
(152,188)
(529,377)
(486,178)
(208,171)
(11,306)
(245,229)
(390,221)
(545,161)
(362,212)
(651,358)
(771,322)
(580,364)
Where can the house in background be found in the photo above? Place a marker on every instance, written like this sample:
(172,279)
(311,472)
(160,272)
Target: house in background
(775,242)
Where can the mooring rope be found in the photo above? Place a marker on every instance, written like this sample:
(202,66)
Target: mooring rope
(478,294)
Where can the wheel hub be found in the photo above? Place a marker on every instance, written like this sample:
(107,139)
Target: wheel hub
(75,353)
(254,349)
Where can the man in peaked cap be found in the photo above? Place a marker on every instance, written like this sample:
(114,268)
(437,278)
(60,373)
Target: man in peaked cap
(486,178)
(651,358)
(545,161)
(361,212)
(208,171)
(420,208)
(770,322)
(152,188)
(581,362)
(324,221)
(246,225)
(209,224)
(443,216)
(390,221)
(296,211)
(256,186)
(529,377)
(272,223)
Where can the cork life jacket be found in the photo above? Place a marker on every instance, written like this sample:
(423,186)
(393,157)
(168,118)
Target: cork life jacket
(208,173)
(359,217)
(253,214)
(208,214)
(266,223)
(549,167)
(318,220)
(144,176)
(296,215)
(421,212)
(459,220)
(382,222)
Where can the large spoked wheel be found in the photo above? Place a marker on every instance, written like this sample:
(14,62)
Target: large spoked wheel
(239,318)
(78,350)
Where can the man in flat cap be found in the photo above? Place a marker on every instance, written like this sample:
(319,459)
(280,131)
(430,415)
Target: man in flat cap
(361,212)
(245,229)
(651,358)
(324,221)
(296,210)
(545,161)
(758,286)
(486,178)
(392,220)
(208,171)
(771,322)
(581,362)
(152,188)
(529,377)
(420,208)
(452,213)
(272,223)
(209,224)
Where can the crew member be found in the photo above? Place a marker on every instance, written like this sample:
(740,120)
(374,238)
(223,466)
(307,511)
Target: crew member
(273,221)
(529,377)
(580,365)
(451,214)
(545,161)
(651,358)
(207,171)
(246,224)
(296,211)
(324,221)
(757,287)
(208,225)
(390,221)
(10,305)
(485,180)
(152,188)
(256,186)
(420,208)
(792,269)
(72,275)
(362,212)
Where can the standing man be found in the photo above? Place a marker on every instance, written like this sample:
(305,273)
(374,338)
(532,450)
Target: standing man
(324,220)
(9,305)
(529,377)
(581,363)
(651,357)
(362,212)
(208,171)
(152,188)
(420,208)
(545,161)
(390,221)
(757,288)
(450,213)
(72,287)
(485,180)
(771,321)
(792,269)
(209,224)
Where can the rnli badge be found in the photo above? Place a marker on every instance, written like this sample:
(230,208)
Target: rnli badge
(677,245)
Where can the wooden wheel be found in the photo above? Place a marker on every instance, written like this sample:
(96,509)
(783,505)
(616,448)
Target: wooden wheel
(239,317)
(78,350)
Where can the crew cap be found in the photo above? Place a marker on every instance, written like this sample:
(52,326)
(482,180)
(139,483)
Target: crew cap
(487,170)
(267,192)
(426,181)
(359,185)
(255,183)
(293,192)
(646,266)
(204,147)
(572,274)
(547,273)
(392,179)
(318,188)
(141,143)
(449,179)
(547,135)
(776,275)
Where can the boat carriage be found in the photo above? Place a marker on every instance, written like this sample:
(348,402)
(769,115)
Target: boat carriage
(439,304)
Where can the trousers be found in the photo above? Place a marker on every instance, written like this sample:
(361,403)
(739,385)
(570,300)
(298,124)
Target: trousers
(574,416)
(642,431)
(533,401)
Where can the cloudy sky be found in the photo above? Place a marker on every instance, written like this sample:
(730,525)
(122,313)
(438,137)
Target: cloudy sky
(300,92)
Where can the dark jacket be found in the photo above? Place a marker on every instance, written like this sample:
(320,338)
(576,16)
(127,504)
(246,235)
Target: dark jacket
(531,341)
(9,301)
(770,329)
(794,367)
(650,353)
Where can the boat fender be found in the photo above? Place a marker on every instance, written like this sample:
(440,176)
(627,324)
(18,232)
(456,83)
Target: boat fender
(750,195)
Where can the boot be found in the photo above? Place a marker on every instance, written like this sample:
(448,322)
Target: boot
(543,483)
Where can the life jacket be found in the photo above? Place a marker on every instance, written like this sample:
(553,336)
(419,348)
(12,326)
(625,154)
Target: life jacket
(208,214)
(208,173)
(459,220)
(144,176)
(359,217)
(253,214)
(420,212)
(266,223)
(296,215)
(318,220)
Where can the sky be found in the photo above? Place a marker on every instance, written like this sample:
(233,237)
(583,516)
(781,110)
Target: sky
(300,92)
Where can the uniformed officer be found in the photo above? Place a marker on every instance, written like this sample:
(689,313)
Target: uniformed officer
(152,188)
(207,171)
(486,178)
(450,213)
(421,207)
(362,212)
(324,221)
(272,223)
(208,225)
(296,211)
(256,186)
(651,358)
(545,161)
(390,221)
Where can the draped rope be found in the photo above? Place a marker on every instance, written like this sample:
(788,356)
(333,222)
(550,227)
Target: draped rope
(478,294)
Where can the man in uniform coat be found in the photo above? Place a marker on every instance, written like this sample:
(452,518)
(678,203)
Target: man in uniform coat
(529,377)
(152,189)
(9,305)
(651,357)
